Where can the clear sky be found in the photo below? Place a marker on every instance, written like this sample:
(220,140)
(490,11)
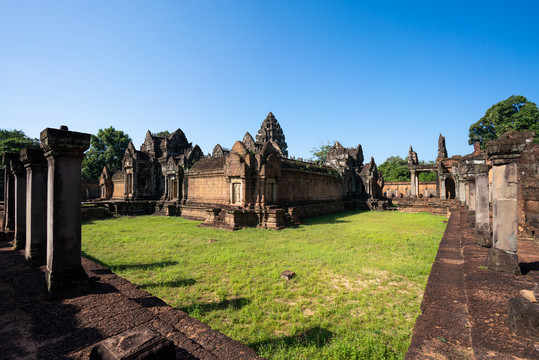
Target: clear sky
(383,74)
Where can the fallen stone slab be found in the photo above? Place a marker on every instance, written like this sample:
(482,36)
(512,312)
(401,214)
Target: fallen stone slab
(524,318)
(140,343)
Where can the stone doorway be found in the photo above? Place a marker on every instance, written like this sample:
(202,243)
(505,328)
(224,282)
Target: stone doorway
(449,188)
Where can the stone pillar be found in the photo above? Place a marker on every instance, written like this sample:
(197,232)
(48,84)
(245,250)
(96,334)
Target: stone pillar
(413,183)
(462,191)
(36,206)
(504,154)
(482,211)
(471,196)
(9,193)
(442,188)
(64,151)
(19,174)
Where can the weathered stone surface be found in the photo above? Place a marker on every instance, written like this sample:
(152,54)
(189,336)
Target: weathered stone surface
(505,222)
(36,205)
(483,234)
(64,151)
(442,150)
(271,131)
(9,192)
(19,174)
(528,295)
(524,318)
(503,261)
(412,157)
(141,343)
(287,274)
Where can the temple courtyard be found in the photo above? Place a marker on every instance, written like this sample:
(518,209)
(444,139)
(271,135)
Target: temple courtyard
(360,276)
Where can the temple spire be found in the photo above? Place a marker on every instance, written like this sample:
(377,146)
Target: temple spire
(270,130)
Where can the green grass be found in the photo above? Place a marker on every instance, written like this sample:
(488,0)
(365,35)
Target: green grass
(359,284)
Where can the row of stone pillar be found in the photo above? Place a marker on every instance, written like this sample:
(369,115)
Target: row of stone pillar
(479,194)
(43,205)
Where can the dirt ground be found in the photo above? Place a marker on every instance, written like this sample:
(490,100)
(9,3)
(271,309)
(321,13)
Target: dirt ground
(34,328)
(464,309)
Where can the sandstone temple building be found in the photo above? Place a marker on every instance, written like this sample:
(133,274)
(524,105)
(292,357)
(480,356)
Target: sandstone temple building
(254,184)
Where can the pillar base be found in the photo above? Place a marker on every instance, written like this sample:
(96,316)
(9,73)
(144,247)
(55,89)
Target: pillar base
(67,282)
(524,318)
(471,217)
(503,261)
(483,237)
(19,243)
(37,256)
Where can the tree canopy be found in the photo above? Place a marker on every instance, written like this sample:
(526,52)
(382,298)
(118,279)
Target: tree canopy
(106,148)
(515,113)
(14,141)
(164,133)
(320,153)
(396,169)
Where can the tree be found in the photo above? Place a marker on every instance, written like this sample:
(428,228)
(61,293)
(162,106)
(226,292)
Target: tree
(106,148)
(427,176)
(515,113)
(162,133)
(14,141)
(395,169)
(321,153)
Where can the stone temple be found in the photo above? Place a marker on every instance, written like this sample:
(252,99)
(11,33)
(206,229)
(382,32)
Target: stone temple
(254,184)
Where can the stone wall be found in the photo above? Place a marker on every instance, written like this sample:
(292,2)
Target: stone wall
(299,186)
(401,189)
(208,188)
(118,189)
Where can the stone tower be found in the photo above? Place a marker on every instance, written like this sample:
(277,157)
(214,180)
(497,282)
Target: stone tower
(271,131)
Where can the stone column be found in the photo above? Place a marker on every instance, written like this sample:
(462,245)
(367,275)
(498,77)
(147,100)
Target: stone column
(413,183)
(36,206)
(442,188)
(64,151)
(471,195)
(19,174)
(503,256)
(504,154)
(482,211)
(462,191)
(9,193)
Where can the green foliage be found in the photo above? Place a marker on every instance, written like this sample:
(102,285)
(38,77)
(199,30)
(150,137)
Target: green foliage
(320,153)
(357,293)
(163,133)
(106,148)
(427,176)
(395,169)
(14,141)
(515,113)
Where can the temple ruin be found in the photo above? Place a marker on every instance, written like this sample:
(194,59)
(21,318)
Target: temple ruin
(254,184)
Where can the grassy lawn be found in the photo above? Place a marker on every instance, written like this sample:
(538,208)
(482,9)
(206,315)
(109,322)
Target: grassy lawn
(359,284)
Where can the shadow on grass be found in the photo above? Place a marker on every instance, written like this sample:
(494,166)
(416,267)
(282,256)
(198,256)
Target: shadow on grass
(333,218)
(202,308)
(172,283)
(150,266)
(121,267)
(315,336)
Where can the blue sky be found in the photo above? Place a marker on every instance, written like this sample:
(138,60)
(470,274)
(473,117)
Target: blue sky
(385,75)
